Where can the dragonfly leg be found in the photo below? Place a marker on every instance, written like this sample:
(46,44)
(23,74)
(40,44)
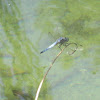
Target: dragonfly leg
(65,44)
(60,46)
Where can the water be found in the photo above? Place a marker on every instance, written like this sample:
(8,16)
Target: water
(24,28)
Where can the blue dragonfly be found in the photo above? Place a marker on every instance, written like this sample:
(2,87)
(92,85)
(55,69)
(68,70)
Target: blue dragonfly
(60,41)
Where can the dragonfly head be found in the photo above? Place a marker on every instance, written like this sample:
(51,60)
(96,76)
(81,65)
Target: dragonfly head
(66,39)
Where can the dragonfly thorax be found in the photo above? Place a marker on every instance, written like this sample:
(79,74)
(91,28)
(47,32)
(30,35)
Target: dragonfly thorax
(61,40)
(66,39)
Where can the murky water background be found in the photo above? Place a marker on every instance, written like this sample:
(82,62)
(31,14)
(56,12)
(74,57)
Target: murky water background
(29,26)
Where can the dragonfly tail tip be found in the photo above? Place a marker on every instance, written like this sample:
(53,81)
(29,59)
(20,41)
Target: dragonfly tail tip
(41,52)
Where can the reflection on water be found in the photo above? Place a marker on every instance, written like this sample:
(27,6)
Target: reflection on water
(23,28)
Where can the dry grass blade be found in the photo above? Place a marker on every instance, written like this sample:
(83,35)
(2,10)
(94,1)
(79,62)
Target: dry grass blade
(39,88)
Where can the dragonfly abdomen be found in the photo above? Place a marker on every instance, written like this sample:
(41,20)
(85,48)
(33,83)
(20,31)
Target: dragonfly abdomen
(49,47)
(44,50)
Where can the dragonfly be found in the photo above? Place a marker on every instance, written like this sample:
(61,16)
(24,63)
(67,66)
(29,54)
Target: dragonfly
(60,41)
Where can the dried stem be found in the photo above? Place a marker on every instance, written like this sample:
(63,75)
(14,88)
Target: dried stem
(38,91)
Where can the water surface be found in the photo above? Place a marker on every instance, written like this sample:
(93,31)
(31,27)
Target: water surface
(24,32)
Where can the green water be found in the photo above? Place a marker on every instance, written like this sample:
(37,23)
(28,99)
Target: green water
(27,27)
